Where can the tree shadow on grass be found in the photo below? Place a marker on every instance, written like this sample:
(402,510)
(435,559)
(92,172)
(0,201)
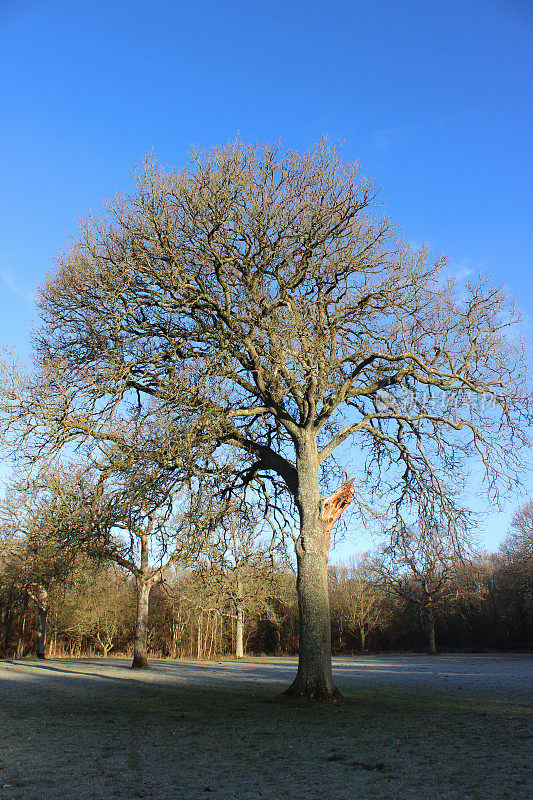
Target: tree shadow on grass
(122,736)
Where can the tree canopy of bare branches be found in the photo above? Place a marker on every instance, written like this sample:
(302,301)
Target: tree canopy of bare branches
(260,295)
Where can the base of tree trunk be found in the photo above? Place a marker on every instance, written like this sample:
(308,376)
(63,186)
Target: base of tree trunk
(299,690)
(140,662)
(41,655)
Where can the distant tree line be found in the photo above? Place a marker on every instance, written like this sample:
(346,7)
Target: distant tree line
(227,606)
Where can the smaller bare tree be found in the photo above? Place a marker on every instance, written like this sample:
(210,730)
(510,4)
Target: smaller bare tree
(96,605)
(419,568)
(240,565)
(35,513)
(366,598)
(145,526)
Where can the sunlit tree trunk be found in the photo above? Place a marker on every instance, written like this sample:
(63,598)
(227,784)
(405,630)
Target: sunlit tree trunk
(239,646)
(140,647)
(317,516)
(199,637)
(144,585)
(239,622)
(20,643)
(40,596)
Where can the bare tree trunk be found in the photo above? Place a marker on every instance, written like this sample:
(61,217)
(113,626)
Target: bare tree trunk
(205,637)
(175,638)
(140,647)
(42,617)
(213,621)
(314,679)
(432,648)
(215,634)
(239,648)
(39,595)
(191,639)
(199,637)
(144,584)
(41,598)
(363,638)
(20,642)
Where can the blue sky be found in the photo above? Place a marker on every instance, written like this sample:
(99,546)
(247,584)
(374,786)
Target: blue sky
(433,98)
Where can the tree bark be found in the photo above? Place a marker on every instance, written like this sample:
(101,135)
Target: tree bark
(239,627)
(314,679)
(199,637)
(140,647)
(40,597)
(42,618)
(239,647)
(432,648)
(363,638)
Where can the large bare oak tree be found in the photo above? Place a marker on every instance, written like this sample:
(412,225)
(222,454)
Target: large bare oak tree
(264,292)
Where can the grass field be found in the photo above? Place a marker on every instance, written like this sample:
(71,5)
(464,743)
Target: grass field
(413,728)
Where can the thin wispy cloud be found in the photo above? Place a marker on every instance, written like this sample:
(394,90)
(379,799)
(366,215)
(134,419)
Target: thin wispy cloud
(388,137)
(21,292)
(462,270)
(385,138)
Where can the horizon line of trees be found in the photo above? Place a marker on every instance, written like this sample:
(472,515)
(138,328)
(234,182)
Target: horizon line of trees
(206,611)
